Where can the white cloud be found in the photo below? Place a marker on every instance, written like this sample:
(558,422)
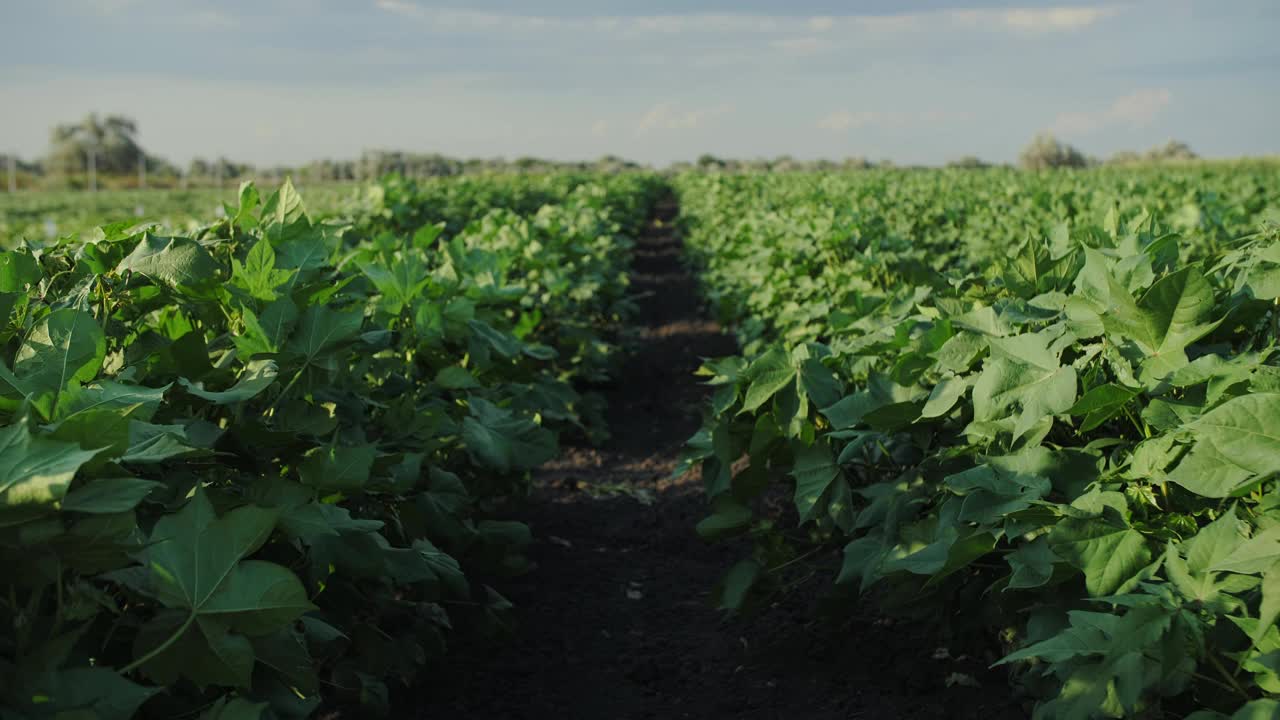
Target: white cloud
(802,45)
(600,128)
(1135,110)
(108,7)
(822,23)
(670,116)
(845,120)
(1017,20)
(208,20)
(1054,19)
(182,15)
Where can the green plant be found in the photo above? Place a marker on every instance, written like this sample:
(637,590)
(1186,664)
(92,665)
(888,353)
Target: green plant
(1065,442)
(249,470)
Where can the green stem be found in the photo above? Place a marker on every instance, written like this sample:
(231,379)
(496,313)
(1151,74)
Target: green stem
(286,390)
(1235,685)
(799,558)
(159,648)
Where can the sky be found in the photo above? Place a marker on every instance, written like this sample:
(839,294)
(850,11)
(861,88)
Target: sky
(918,82)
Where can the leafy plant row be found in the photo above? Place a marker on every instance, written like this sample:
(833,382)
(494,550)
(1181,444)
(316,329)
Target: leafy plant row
(1018,403)
(249,470)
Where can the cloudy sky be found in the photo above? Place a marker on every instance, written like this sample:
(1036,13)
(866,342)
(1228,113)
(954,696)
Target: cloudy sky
(916,81)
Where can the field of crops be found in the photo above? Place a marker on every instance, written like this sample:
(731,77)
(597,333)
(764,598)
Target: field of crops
(1044,408)
(270,461)
(250,462)
(49,215)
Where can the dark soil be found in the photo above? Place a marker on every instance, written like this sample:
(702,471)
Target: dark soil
(617,620)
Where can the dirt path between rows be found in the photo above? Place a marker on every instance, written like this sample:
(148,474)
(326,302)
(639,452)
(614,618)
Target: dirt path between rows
(616,622)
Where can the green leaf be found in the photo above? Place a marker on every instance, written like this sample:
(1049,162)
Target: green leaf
(321,329)
(455,377)
(737,583)
(107,394)
(1023,379)
(18,270)
(1245,429)
(1171,315)
(283,211)
(728,517)
(814,471)
(1081,639)
(258,275)
(1032,564)
(175,644)
(35,472)
(1270,607)
(172,262)
(235,708)
(258,375)
(63,347)
(1101,404)
(1207,472)
(196,566)
(1108,551)
(768,374)
(944,396)
(108,495)
(102,693)
(503,441)
(338,469)
(1264,709)
(1254,555)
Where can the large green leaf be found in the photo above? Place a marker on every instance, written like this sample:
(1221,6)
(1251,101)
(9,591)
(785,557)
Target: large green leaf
(338,468)
(1108,551)
(172,262)
(63,347)
(18,270)
(91,693)
(503,441)
(196,566)
(1174,313)
(1023,380)
(1236,444)
(321,329)
(768,374)
(815,469)
(258,275)
(35,472)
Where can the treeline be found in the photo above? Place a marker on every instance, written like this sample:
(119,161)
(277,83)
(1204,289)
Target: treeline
(1046,151)
(104,152)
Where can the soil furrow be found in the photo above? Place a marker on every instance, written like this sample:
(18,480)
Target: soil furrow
(616,621)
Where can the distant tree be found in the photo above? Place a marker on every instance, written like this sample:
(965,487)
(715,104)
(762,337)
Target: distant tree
(971,162)
(1172,151)
(1124,157)
(707,161)
(112,139)
(1046,151)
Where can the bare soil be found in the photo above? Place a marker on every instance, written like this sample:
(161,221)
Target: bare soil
(617,622)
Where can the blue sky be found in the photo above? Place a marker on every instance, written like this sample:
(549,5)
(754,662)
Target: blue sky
(286,81)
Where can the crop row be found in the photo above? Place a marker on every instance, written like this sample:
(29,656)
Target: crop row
(1043,408)
(247,469)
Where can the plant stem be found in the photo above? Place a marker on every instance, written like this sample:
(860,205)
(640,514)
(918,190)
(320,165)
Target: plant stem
(159,648)
(286,390)
(1235,685)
